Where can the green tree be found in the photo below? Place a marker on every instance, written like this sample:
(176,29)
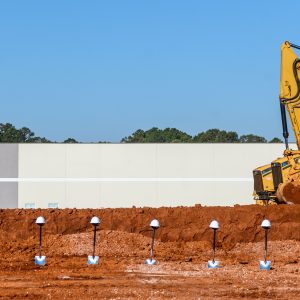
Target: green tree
(173,135)
(10,134)
(216,136)
(70,141)
(153,135)
(25,134)
(276,140)
(137,137)
(156,135)
(251,138)
(38,139)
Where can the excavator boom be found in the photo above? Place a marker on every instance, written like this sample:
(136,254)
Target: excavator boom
(290,86)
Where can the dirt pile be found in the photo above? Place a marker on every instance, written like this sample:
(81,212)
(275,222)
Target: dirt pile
(239,224)
(182,249)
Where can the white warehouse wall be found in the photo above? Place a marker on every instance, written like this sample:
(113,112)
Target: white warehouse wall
(123,175)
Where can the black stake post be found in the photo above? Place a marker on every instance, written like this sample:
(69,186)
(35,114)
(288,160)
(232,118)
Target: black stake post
(152,244)
(266,244)
(154,225)
(266,225)
(214,245)
(40,240)
(40,221)
(94,246)
(212,264)
(95,221)
(40,260)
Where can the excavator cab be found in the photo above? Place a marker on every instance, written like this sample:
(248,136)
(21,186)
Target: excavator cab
(263,183)
(268,178)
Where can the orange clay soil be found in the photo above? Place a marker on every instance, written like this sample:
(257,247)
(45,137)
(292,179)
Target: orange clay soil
(182,248)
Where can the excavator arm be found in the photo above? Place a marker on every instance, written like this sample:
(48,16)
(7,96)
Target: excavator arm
(279,181)
(290,90)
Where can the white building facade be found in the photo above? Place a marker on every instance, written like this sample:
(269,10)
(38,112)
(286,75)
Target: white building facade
(126,175)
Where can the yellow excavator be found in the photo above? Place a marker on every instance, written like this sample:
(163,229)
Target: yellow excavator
(279,182)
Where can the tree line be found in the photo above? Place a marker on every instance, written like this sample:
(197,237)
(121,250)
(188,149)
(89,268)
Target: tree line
(10,134)
(173,135)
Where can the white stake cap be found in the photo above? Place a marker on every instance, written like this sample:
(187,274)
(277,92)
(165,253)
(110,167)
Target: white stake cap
(95,221)
(155,224)
(266,224)
(214,224)
(40,221)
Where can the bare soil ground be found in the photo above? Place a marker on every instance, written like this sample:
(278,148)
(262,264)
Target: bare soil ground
(182,249)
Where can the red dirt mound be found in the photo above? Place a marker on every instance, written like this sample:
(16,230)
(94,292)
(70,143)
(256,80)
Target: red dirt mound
(239,224)
(182,249)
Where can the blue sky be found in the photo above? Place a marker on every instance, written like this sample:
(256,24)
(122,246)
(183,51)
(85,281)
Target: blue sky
(99,70)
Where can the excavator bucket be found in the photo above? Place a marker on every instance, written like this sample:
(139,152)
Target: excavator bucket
(289,192)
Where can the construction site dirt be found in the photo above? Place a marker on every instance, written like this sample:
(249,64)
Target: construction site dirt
(183,245)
